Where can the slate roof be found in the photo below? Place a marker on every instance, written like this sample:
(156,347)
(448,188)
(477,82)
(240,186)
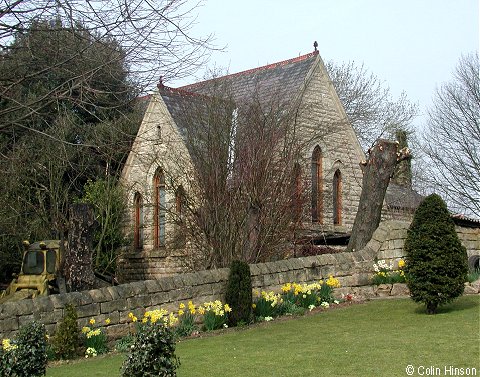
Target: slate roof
(278,80)
(402,197)
(466,221)
(282,79)
(178,102)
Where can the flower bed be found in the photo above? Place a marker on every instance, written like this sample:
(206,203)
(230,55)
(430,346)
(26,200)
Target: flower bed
(296,299)
(387,273)
(190,318)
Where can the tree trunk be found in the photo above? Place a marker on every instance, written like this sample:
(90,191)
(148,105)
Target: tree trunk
(78,258)
(432,307)
(377,171)
(251,247)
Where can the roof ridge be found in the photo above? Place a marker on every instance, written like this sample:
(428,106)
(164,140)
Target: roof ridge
(252,70)
(179,91)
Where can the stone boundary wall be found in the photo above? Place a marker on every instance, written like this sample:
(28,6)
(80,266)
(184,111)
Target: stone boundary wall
(389,238)
(354,271)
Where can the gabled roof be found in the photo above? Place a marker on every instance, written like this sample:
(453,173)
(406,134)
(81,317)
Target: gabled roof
(282,79)
(402,197)
(178,103)
(278,80)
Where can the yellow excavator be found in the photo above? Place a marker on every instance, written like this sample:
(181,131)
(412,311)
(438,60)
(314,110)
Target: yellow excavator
(40,273)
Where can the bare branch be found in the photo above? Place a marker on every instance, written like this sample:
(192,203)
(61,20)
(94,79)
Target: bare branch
(452,138)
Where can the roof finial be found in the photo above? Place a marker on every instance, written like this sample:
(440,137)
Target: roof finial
(160,83)
(315,45)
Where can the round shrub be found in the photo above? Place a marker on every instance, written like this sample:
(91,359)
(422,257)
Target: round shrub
(152,352)
(436,261)
(26,356)
(239,293)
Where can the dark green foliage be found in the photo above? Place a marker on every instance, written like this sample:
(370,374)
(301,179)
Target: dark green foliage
(67,114)
(32,350)
(29,358)
(436,261)
(67,336)
(186,325)
(6,362)
(124,344)
(61,67)
(108,200)
(239,293)
(152,352)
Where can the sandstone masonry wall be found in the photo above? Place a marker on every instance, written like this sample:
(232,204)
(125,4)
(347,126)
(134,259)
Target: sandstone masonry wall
(354,271)
(389,238)
(137,297)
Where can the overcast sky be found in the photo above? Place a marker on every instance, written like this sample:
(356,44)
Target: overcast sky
(412,45)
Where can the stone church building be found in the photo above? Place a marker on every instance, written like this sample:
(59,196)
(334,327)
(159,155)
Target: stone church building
(156,173)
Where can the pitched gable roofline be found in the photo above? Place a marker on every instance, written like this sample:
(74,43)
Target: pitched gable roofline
(282,80)
(286,80)
(179,91)
(250,71)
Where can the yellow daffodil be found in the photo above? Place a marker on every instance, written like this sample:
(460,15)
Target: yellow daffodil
(286,287)
(172,320)
(7,345)
(333,282)
(132,317)
(191,307)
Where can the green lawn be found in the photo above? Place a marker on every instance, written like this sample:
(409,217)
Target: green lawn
(378,338)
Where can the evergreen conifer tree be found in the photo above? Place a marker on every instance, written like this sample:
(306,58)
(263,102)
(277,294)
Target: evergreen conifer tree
(67,337)
(239,293)
(436,261)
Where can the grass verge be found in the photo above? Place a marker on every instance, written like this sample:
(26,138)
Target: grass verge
(377,338)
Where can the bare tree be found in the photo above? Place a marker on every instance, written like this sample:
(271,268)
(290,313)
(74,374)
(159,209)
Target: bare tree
(245,199)
(370,107)
(244,195)
(153,39)
(452,137)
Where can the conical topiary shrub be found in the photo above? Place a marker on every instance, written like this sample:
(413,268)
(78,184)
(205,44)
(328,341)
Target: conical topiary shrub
(67,336)
(436,261)
(239,293)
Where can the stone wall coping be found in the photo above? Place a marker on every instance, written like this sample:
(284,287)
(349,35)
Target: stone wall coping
(354,269)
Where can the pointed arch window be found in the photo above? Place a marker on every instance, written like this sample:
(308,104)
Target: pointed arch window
(138,221)
(159,209)
(317,185)
(337,198)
